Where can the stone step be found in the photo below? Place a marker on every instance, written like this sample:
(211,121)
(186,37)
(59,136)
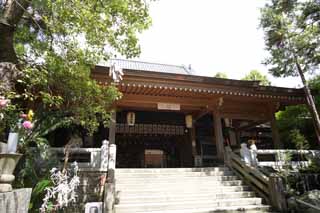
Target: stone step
(163,185)
(190,189)
(164,206)
(184,197)
(171,170)
(169,179)
(229,209)
(185,190)
(173,174)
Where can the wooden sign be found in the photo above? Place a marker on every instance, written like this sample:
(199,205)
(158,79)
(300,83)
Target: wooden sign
(168,106)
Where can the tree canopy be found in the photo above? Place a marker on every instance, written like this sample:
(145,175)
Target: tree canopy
(255,75)
(220,75)
(299,118)
(48,48)
(292,37)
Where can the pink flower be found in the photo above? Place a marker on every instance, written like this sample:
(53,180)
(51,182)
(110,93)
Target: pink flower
(3,103)
(24,116)
(27,125)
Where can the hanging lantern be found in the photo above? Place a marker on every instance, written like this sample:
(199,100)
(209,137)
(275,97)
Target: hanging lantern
(188,121)
(227,122)
(131,118)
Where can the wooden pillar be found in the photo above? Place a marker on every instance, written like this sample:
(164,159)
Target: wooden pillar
(275,132)
(218,134)
(238,137)
(193,141)
(112,128)
(193,145)
(231,133)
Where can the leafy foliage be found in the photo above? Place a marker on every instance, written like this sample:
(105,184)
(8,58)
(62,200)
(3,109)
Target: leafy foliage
(292,36)
(220,75)
(55,45)
(298,117)
(299,140)
(255,75)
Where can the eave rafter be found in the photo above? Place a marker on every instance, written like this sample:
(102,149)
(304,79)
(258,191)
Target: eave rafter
(168,89)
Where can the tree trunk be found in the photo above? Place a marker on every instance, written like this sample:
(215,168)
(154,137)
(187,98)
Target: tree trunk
(11,15)
(7,53)
(310,102)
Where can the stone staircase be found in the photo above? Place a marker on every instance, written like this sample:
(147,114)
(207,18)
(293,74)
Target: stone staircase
(184,190)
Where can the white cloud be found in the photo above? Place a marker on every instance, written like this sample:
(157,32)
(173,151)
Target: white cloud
(211,35)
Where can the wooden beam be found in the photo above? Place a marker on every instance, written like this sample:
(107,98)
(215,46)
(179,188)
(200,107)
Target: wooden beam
(244,116)
(201,114)
(149,99)
(250,125)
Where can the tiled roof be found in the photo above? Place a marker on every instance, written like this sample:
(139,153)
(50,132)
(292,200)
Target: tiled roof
(152,67)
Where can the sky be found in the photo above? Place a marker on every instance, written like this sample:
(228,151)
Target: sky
(211,35)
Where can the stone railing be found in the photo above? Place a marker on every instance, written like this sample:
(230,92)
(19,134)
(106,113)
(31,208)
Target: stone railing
(279,156)
(85,157)
(96,172)
(270,188)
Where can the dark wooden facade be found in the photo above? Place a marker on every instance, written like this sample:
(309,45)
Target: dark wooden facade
(212,102)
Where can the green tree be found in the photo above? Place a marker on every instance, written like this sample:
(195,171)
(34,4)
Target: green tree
(48,48)
(298,117)
(292,38)
(220,75)
(255,75)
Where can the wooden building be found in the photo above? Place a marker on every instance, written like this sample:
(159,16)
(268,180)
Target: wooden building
(169,117)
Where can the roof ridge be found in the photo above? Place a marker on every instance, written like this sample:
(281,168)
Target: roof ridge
(146,62)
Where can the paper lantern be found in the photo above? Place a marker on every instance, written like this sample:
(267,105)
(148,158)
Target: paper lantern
(188,121)
(131,118)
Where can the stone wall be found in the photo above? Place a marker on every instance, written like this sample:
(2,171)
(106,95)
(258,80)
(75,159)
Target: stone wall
(90,189)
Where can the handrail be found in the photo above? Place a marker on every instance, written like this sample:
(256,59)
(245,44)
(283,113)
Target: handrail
(270,188)
(276,151)
(255,178)
(308,204)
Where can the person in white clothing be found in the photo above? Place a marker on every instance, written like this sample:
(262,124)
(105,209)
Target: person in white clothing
(254,154)
(245,154)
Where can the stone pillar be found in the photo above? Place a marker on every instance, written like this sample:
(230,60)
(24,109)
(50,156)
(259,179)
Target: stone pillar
(104,155)
(110,186)
(16,201)
(218,135)
(275,132)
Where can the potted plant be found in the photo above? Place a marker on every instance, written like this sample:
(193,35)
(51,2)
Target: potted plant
(20,127)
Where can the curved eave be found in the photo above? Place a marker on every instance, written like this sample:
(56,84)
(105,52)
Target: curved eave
(179,85)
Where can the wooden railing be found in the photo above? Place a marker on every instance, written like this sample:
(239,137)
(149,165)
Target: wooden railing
(270,188)
(256,179)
